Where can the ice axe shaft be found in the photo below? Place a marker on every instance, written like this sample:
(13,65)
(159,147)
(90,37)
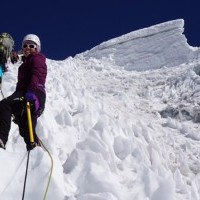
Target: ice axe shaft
(30,126)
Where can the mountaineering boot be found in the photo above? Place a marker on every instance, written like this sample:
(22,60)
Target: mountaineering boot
(2,144)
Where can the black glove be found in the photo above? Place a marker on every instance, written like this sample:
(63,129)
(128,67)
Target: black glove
(14,57)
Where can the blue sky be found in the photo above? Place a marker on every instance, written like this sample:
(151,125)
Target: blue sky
(70,27)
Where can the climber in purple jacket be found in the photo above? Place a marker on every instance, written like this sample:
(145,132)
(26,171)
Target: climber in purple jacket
(30,87)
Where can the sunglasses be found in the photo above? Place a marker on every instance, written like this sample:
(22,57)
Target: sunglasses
(31,46)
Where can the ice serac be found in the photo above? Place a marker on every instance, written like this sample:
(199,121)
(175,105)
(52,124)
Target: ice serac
(161,45)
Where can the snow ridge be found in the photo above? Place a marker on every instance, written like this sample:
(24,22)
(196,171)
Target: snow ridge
(162,45)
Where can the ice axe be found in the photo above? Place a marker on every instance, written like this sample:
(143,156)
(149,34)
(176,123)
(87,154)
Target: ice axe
(31,136)
(30,126)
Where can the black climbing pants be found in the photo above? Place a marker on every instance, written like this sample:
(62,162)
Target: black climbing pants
(14,106)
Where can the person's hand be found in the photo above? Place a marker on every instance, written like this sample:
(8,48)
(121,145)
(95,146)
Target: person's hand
(32,98)
(14,57)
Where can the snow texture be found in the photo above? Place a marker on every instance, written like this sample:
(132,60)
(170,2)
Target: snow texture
(121,123)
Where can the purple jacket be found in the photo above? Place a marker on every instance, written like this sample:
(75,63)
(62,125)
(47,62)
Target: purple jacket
(32,73)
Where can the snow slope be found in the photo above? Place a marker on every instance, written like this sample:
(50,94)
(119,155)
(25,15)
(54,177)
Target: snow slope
(116,130)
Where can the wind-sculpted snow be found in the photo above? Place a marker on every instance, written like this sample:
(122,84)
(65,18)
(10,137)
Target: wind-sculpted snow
(114,134)
(13,173)
(149,48)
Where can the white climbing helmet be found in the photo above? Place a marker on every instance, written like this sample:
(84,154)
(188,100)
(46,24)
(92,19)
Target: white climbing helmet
(34,38)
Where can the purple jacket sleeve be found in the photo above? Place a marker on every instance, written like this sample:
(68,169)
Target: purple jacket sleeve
(38,72)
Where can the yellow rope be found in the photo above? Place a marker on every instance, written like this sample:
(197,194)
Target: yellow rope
(51,171)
